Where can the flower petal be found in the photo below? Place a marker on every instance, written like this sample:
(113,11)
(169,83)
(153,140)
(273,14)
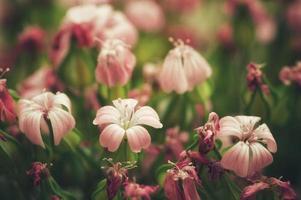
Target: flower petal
(261,158)
(264,133)
(62,122)
(189,188)
(138,138)
(229,126)
(148,116)
(107,115)
(62,99)
(111,137)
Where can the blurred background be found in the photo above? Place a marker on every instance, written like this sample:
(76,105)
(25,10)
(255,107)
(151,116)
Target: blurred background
(229,34)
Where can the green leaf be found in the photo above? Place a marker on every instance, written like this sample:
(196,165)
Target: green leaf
(161,172)
(100,192)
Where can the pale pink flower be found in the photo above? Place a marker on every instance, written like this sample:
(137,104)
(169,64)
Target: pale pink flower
(44,78)
(146,15)
(7,104)
(142,95)
(125,120)
(150,72)
(181,181)
(46,106)
(115,63)
(251,153)
(135,191)
(183,69)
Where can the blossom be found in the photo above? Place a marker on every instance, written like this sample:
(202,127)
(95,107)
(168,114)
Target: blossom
(208,133)
(284,190)
(38,81)
(115,63)
(290,75)
(34,113)
(31,39)
(7,105)
(255,78)
(180,182)
(146,15)
(174,142)
(142,94)
(183,68)
(135,191)
(251,152)
(123,119)
(38,171)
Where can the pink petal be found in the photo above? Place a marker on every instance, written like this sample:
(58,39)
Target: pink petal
(148,116)
(190,191)
(237,159)
(106,115)
(111,137)
(264,133)
(121,104)
(251,190)
(62,122)
(247,120)
(29,123)
(62,99)
(229,126)
(261,158)
(138,138)
(172,189)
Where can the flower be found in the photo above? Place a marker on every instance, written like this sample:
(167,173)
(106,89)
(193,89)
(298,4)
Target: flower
(183,68)
(251,152)
(142,95)
(284,190)
(291,74)
(115,63)
(180,182)
(135,191)
(124,119)
(7,105)
(255,78)
(34,113)
(208,133)
(146,15)
(31,39)
(38,171)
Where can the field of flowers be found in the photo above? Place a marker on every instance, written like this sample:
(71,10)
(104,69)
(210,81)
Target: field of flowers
(150,99)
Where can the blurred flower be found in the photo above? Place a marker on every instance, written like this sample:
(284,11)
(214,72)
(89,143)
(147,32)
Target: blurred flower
(34,113)
(208,133)
(150,155)
(150,72)
(44,78)
(91,98)
(115,63)
(291,74)
(174,143)
(31,40)
(185,33)
(37,172)
(252,150)
(146,15)
(284,189)
(136,191)
(123,119)
(182,5)
(181,181)
(255,78)
(183,69)
(293,16)
(225,36)
(7,104)
(142,95)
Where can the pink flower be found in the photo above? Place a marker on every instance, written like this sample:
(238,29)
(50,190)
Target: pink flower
(135,191)
(44,78)
(249,154)
(115,63)
(46,106)
(291,74)
(7,104)
(146,15)
(31,39)
(208,133)
(182,5)
(125,120)
(255,78)
(251,190)
(180,182)
(142,95)
(37,172)
(183,69)
(150,72)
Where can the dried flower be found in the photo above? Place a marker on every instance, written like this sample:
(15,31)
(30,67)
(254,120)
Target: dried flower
(38,172)
(135,191)
(255,78)
(7,104)
(125,120)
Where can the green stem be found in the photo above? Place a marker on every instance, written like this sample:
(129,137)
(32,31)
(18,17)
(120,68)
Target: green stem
(51,137)
(249,105)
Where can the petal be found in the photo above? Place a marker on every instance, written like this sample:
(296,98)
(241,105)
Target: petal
(138,138)
(237,159)
(148,116)
(62,122)
(111,137)
(261,158)
(107,115)
(29,124)
(190,191)
(121,104)
(264,133)
(62,99)
(229,126)
(249,121)
(172,189)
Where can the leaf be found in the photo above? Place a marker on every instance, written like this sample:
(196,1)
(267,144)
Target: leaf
(57,190)
(161,172)
(100,192)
